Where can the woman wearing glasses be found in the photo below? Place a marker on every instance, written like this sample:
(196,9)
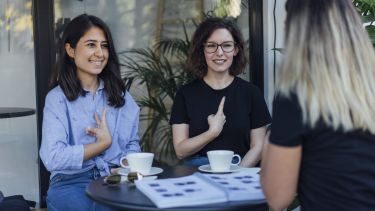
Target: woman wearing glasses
(218,111)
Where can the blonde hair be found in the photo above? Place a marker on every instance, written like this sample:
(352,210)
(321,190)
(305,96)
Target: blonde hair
(329,64)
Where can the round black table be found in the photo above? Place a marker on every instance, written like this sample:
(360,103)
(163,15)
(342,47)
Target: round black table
(10,112)
(128,197)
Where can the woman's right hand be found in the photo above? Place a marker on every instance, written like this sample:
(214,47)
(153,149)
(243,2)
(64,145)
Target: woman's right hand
(101,132)
(217,121)
(186,146)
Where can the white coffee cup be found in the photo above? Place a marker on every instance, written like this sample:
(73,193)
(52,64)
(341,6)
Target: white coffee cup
(221,160)
(139,162)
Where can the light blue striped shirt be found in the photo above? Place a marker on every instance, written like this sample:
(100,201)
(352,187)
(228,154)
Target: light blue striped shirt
(64,131)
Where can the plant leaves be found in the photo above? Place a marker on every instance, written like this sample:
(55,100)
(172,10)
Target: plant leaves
(371,32)
(278,49)
(368,18)
(162,70)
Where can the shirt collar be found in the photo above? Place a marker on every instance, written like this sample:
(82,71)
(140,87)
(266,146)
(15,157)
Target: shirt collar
(100,87)
(101,84)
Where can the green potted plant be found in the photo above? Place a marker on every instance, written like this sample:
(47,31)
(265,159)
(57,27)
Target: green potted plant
(162,71)
(366,8)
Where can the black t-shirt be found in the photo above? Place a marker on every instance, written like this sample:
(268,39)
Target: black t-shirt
(244,108)
(337,168)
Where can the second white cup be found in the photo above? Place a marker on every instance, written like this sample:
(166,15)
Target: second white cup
(139,162)
(221,160)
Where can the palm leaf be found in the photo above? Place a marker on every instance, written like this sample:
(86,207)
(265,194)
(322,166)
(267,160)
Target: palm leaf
(371,31)
(162,71)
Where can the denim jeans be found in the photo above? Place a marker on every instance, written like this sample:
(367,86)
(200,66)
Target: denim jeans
(68,192)
(196,161)
(201,160)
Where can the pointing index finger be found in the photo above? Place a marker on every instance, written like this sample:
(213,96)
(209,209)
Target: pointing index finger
(221,106)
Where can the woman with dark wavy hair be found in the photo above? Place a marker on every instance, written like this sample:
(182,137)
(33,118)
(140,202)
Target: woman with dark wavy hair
(90,121)
(322,141)
(218,110)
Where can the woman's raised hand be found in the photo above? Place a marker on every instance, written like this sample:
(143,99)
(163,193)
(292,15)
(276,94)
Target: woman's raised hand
(101,132)
(217,121)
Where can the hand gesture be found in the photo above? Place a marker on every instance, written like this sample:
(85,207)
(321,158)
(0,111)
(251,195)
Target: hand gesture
(101,132)
(216,121)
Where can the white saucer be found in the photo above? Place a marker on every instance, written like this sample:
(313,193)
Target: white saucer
(252,170)
(207,168)
(153,171)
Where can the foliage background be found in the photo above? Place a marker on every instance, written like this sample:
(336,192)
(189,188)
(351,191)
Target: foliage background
(366,8)
(161,69)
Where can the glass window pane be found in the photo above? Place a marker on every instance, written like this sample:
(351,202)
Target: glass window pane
(141,23)
(18,138)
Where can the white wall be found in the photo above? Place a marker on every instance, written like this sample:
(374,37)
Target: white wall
(269,35)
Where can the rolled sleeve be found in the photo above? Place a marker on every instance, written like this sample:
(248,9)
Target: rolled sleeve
(56,152)
(132,118)
(133,144)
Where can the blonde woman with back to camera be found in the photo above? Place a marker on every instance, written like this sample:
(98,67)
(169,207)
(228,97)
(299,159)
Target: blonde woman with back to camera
(322,141)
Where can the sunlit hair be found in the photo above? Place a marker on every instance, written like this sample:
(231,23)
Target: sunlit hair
(65,73)
(329,64)
(196,62)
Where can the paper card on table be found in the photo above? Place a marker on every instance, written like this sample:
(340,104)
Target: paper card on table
(198,189)
(238,186)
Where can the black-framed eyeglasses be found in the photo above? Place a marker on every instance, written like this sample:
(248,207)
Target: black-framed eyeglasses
(227,47)
(117,178)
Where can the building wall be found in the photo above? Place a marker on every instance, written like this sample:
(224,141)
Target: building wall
(270,65)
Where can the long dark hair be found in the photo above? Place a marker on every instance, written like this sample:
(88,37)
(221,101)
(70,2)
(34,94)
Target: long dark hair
(65,71)
(196,61)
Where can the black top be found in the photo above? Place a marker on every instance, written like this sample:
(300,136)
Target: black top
(244,108)
(337,168)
